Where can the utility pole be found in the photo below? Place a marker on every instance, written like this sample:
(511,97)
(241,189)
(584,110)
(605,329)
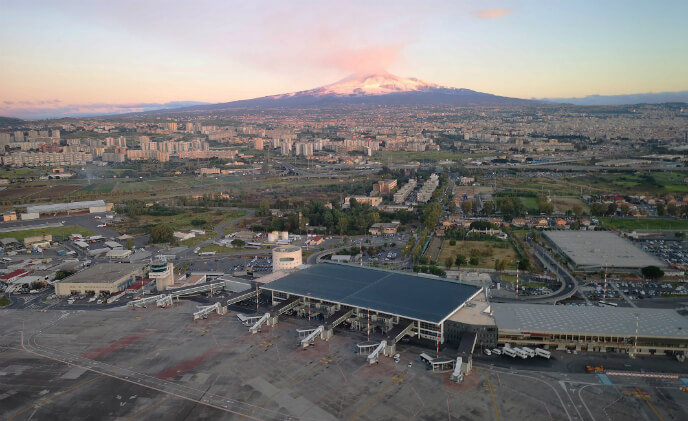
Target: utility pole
(604,291)
(518,263)
(368,325)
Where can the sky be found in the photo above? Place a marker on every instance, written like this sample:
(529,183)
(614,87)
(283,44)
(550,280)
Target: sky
(103,56)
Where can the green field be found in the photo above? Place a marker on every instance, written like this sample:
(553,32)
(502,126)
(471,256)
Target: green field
(181,221)
(55,232)
(131,186)
(657,182)
(531,204)
(19,173)
(97,187)
(465,247)
(631,224)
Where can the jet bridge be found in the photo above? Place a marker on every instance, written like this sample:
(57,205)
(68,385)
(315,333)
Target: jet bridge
(400,330)
(285,306)
(337,318)
(203,311)
(238,297)
(373,357)
(144,301)
(212,287)
(247,320)
(311,336)
(457,375)
(165,301)
(256,327)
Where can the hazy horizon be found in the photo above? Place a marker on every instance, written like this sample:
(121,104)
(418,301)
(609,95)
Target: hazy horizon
(101,56)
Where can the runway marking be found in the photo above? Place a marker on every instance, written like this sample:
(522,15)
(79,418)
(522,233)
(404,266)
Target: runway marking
(645,396)
(395,380)
(41,402)
(494,400)
(549,414)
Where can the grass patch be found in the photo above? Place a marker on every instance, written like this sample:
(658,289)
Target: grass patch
(19,173)
(465,247)
(181,221)
(97,187)
(55,232)
(531,204)
(4,301)
(632,224)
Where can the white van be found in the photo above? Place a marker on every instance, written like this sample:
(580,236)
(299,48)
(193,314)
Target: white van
(487,351)
(497,351)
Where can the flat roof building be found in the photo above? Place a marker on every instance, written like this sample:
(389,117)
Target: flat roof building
(92,206)
(593,250)
(427,302)
(104,277)
(592,328)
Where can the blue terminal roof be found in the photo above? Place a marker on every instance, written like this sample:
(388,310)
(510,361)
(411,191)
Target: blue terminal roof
(396,293)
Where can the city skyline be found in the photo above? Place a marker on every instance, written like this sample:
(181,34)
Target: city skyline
(100,58)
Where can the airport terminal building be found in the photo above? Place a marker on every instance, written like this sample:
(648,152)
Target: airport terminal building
(101,278)
(397,303)
(598,329)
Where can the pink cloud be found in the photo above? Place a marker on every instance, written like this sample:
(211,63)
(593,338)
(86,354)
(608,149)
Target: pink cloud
(493,13)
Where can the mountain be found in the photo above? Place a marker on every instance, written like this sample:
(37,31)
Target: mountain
(10,121)
(648,98)
(373,89)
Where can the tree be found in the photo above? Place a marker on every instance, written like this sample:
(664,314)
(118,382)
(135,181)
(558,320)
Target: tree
(625,209)
(460,260)
(672,209)
(263,208)
(466,206)
(162,233)
(577,210)
(431,215)
(474,261)
(611,208)
(238,243)
(498,264)
(448,262)
(660,209)
(489,208)
(452,242)
(597,209)
(198,222)
(652,272)
(452,206)
(129,244)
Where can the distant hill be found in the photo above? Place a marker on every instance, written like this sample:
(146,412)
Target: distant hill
(10,121)
(374,89)
(648,98)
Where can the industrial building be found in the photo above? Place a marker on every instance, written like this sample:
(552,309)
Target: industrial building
(599,329)
(592,251)
(101,278)
(92,206)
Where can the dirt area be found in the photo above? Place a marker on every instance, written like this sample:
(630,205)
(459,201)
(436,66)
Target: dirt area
(567,203)
(38,192)
(488,252)
(433,249)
